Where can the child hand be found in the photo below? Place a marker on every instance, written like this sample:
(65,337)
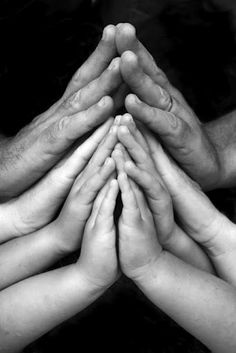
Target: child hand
(198,216)
(139,248)
(98,259)
(67,229)
(37,206)
(144,173)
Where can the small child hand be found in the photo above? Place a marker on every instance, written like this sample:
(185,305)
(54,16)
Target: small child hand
(199,217)
(144,173)
(98,259)
(68,228)
(138,245)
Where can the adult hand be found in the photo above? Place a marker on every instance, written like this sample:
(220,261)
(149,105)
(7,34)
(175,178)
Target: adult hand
(161,107)
(84,105)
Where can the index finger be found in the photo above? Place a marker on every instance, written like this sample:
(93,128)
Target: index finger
(96,63)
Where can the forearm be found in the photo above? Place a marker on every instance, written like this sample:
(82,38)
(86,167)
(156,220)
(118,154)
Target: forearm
(31,308)
(222,134)
(203,304)
(26,256)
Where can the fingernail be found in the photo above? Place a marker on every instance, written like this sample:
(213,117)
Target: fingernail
(117,119)
(102,103)
(129,164)
(137,100)
(128,118)
(106,33)
(124,130)
(113,130)
(114,64)
(107,161)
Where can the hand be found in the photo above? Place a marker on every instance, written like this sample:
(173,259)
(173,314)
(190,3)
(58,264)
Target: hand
(198,216)
(98,259)
(163,109)
(85,105)
(139,248)
(37,206)
(79,202)
(143,172)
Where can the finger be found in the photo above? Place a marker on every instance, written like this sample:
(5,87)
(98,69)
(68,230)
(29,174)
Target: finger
(168,126)
(128,121)
(74,162)
(119,96)
(142,204)
(126,40)
(79,203)
(193,207)
(130,211)
(103,151)
(106,210)
(89,190)
(186,249)
(96,63)
(100,197)
(142,84)
(66,130)
(170,236)
(133,147)
(118,157)
(106,84)
(158,198)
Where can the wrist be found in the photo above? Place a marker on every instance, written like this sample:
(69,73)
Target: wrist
(94,288)
(149,271)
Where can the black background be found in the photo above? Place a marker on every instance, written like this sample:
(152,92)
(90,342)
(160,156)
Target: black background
(42,44)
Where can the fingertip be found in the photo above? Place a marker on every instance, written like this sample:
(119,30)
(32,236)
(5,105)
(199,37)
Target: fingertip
(114,184)
(129,165)
(126,29)
(119,147)
(127,119)
(109,33)
(129,58)
(122,177)
(115,64)
(113,130)
(132,100)
(117,119)
(123,130)
(109,162)
(106,102)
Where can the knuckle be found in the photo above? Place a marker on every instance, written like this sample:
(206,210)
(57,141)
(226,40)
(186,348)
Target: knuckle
(72,101)
(62,124)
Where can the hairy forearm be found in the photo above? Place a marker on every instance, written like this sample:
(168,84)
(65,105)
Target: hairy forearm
(203,304)
(26,256)
(222,134)
(31,308)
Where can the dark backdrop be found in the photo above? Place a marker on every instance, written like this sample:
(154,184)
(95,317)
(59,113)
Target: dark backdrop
(42,44)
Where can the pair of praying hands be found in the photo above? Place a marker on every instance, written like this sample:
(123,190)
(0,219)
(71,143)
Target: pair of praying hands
(60,177)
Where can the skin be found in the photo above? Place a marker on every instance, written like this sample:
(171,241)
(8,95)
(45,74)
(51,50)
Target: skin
(145,175)
(33,253)
(160,106)
(204,305)
(26,157)
(38,205)
(26,307)
(199,218)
